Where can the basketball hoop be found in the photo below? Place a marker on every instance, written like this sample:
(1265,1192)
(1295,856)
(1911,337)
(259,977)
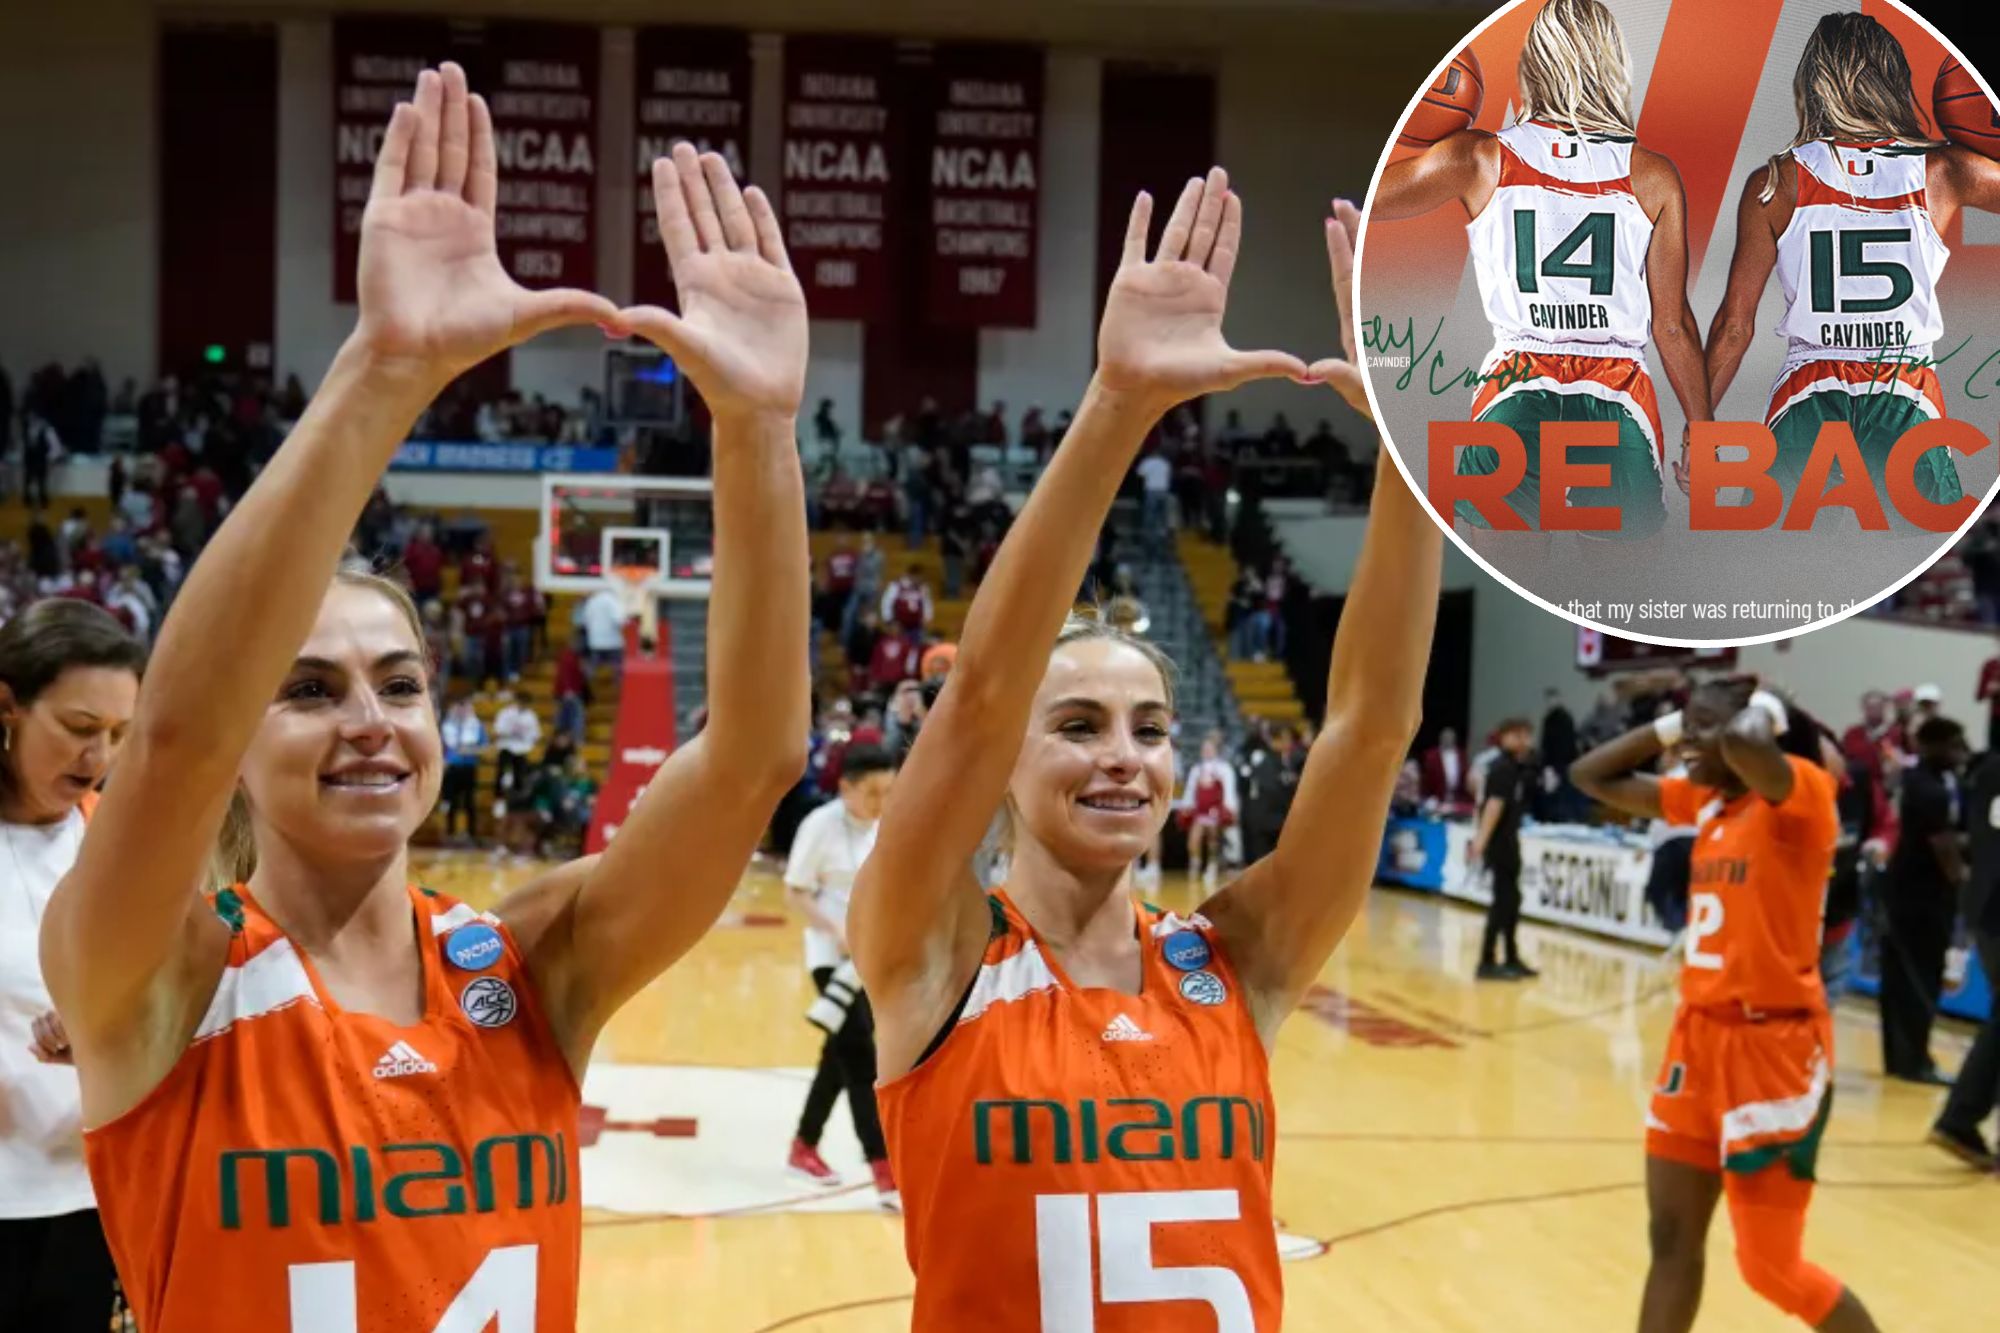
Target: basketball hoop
(634,586)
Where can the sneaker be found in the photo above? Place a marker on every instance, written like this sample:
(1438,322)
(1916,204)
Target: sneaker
(1519,971)
(806,1161)
(885,1185)
(1493,972)
(1967,1145)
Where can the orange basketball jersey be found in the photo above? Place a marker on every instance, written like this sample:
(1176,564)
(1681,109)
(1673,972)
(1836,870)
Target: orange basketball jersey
(303,1169)
(1086,1161)
(1756,891)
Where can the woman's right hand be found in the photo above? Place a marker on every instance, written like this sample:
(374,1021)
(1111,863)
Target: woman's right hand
(434,297)
(51,1042)
(741,333)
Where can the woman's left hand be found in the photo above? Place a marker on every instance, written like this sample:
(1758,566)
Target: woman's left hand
(1344,371)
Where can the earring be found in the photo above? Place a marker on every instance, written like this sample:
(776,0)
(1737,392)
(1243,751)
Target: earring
(6,737)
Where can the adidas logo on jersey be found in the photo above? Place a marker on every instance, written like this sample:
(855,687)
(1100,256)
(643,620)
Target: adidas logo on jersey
(401,1059)
(1124,1029)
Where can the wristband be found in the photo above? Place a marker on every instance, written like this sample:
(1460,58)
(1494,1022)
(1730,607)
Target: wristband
(1668,729)
(1774,708)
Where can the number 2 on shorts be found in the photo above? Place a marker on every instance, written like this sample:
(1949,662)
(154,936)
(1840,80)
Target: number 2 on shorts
(1126,1274)
(502,1288)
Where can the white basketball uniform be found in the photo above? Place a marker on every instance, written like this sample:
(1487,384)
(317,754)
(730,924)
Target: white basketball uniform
(1859,265)
(1560,254)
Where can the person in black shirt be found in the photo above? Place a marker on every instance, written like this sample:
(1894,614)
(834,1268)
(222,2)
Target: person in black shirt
(1977,1092)
(1925,873)
(1497,843)
(1559,801)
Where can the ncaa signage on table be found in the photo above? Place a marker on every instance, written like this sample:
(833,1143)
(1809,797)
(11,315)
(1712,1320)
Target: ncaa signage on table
(1590,879)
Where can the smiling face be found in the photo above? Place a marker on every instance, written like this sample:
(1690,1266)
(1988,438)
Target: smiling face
(1707,715)
(1095,775)
(63,743)
(346,763)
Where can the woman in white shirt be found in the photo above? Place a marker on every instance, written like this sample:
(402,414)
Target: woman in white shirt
(69,681)
(827,853)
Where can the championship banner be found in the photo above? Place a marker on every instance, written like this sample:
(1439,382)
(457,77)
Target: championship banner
(838,180)
(540,81)
(985,185)
(692,84)
(375,65)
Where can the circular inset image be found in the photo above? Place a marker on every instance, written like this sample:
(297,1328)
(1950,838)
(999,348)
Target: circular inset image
(1684,315)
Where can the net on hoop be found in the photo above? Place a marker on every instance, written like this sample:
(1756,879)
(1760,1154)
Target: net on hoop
(634,586)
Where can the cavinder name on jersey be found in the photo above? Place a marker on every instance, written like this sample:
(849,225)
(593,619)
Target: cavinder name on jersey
(276,1188)
(1880,334)
(1569,316)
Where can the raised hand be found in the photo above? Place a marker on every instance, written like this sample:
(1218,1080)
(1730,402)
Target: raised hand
(1162,331)
(433,293)
(741,333)
(1344,372)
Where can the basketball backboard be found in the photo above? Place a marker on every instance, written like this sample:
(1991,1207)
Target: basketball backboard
(592,524)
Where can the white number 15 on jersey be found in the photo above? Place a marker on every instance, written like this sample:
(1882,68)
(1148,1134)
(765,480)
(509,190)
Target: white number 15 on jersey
(1125,1272)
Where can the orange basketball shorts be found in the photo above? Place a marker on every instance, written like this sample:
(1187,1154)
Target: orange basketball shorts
(1737,1094)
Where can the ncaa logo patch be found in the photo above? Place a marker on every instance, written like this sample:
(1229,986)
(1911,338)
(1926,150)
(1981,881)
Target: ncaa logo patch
(1185,950)
(1203,988)
(473,948)
(489,1002)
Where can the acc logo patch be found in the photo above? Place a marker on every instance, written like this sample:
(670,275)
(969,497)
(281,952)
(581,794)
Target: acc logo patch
(1185,950)
(473,948)
(489,1002)
(1203,988)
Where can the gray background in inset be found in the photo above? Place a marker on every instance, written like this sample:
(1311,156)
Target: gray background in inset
(1836,563)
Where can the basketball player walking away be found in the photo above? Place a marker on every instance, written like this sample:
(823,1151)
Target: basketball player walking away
(827,853)
(323,1098)
(1076,1093)
(1510,785)
(1579,242)
(1850,214)
(1745,1088)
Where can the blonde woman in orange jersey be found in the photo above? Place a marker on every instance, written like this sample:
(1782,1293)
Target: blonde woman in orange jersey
(326,1100)
(1075,1089)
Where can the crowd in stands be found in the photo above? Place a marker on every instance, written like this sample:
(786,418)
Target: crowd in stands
(197,449)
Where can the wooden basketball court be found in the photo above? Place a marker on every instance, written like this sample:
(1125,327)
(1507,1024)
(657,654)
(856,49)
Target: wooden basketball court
(1451,1156)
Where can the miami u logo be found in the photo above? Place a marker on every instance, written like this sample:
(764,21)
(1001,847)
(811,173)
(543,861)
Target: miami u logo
(1562,150)
(1676,1080)
(1860,166)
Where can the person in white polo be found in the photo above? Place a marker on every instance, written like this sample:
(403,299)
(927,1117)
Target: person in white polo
(827,853)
